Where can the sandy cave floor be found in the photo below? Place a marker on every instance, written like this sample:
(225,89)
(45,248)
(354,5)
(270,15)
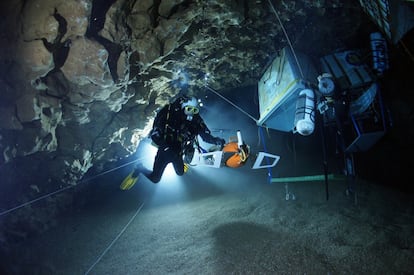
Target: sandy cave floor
(218,227)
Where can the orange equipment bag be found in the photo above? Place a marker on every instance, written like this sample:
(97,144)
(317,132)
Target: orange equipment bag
(239,156)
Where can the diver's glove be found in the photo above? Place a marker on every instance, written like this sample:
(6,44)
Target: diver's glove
(155,133)
(219,141)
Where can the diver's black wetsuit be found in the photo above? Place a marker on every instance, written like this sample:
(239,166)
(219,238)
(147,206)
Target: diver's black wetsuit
(173,134)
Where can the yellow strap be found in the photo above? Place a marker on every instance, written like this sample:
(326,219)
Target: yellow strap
(243,155)
(166,122)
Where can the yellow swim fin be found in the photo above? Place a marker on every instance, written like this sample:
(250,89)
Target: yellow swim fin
(129,181)
(186,167)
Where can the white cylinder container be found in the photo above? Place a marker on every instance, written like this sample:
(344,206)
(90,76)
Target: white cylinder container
(239,139)
(305,113)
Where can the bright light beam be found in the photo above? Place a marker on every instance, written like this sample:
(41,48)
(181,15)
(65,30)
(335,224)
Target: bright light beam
(170,185)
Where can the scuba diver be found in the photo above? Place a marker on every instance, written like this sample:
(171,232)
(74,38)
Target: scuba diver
(175,130)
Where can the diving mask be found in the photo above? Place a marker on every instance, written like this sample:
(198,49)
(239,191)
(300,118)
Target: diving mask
(190,107)
(191,110)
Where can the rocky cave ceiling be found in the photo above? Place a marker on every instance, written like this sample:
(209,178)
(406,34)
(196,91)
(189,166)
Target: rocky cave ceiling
(81,79)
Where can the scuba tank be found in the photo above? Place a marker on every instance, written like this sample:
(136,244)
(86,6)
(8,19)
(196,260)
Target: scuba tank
(305,113)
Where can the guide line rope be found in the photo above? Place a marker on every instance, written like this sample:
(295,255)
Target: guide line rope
(294,55)
(230,102)
(114,240)
(64,189)
(287,38)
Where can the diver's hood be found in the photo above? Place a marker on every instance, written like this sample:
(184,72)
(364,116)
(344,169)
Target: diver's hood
(192,101)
